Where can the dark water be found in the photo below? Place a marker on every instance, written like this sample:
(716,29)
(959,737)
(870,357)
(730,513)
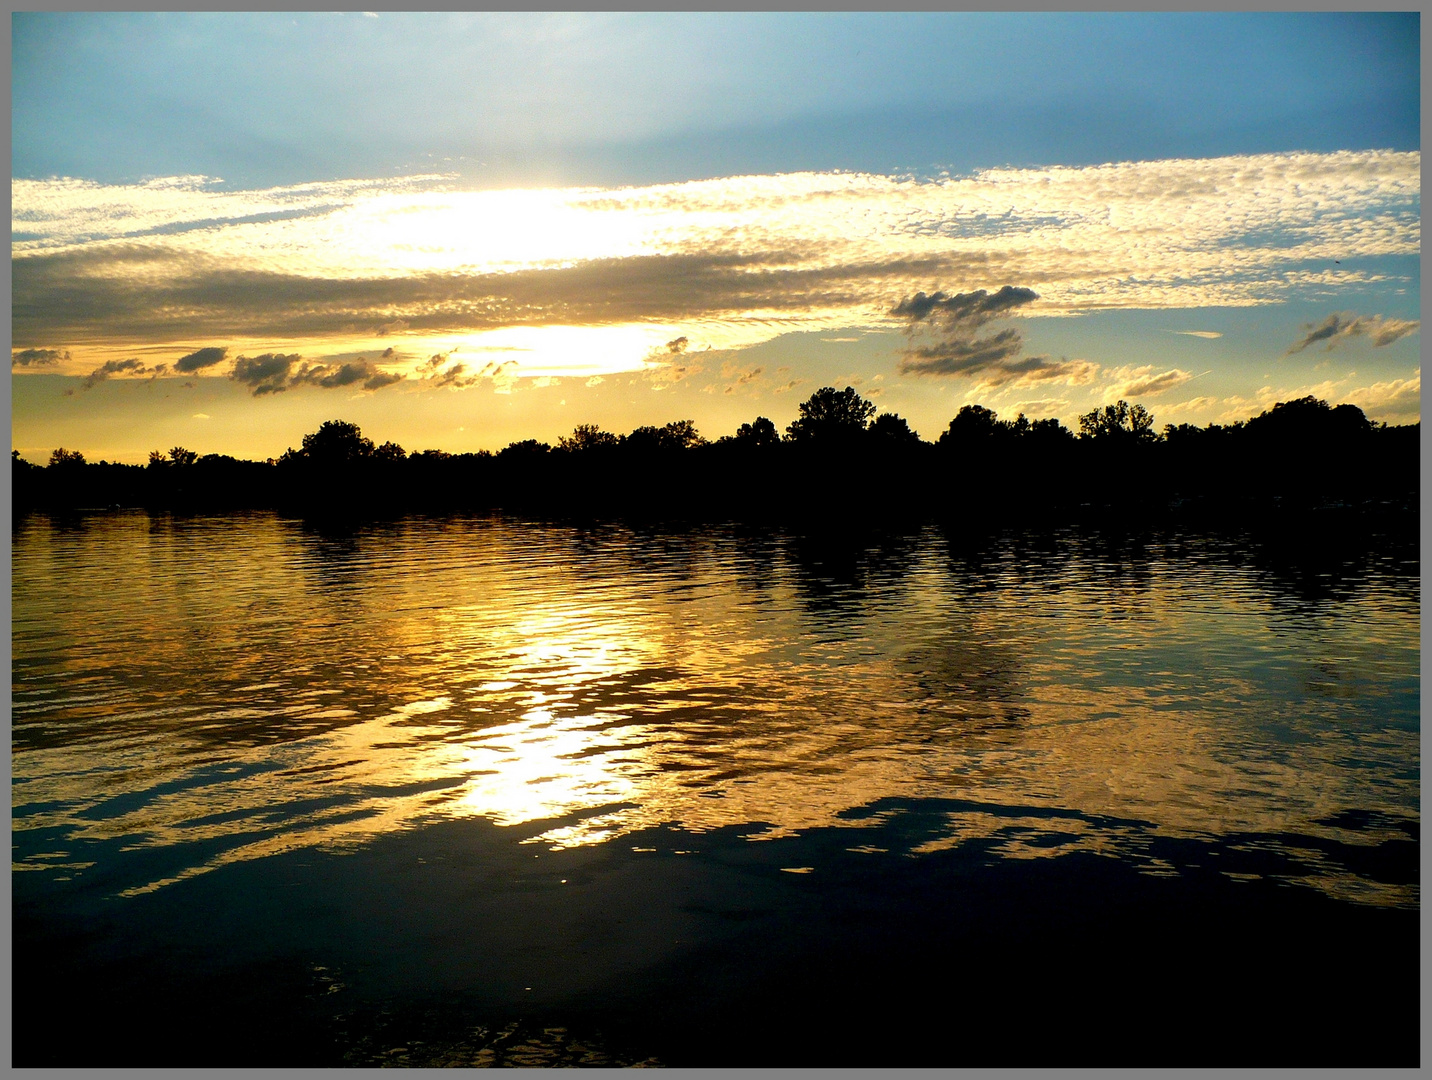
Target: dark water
(483,791)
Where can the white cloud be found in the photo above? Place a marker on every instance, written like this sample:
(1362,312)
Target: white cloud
(1397,401)
(1038,408)
(766,255)
(1150,234)
(1192,405)
(1143,381)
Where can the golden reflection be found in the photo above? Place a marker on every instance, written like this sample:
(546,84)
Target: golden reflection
(534,676)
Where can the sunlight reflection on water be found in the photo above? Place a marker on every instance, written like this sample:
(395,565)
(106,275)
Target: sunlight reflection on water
(225,688)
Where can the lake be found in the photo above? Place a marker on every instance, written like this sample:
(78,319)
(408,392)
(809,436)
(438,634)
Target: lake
(481,790)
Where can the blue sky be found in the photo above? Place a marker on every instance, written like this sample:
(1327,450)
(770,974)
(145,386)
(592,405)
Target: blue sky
(384,208)
(263,99)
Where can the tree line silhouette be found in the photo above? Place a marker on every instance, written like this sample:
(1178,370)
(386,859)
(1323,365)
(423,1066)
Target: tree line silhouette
(837,458)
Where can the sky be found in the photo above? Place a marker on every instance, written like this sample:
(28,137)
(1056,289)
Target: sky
(461,230)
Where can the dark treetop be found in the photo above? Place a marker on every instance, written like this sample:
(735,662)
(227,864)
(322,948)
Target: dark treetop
(837,459)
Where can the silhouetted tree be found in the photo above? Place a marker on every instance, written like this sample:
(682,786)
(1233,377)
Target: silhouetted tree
(336,442)
(891,429)
(525,448)
(1049,431)
(1118,421)
(759,432)
(1308,419)
(390,451)
(1297,453)
(831,414)
(677,435)
(587,437)
(972,422)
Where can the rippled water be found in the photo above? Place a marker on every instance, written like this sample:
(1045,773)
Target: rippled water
(201,691)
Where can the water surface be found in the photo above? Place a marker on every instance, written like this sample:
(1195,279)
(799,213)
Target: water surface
(196,695)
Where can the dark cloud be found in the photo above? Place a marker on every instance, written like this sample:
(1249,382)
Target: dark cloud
(37,357)
(1342,326)
(959,350)
(124,293)
(331,378)
(265,374)
(995,364)
(962,357)
(458,374)
(121,367)
(677,345)
(201,358)
(970,310)
(273,373)
(1389,330)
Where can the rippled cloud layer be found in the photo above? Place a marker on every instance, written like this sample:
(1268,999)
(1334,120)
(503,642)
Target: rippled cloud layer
(298,271)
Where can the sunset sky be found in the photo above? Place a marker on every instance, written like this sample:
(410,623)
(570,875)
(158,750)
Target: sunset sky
(459,230)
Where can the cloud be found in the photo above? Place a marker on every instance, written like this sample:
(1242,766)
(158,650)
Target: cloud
(967,310)
(742,377)
(1033,370)
(131,294)
(733,261)
(358,371)
(200,359)
(1343,326)
(1390,330)
(265,374)
(437,371)
(671,363)
(273,373)
(121,367)
(65,211)
(994,359)
(201,416)
(1197,333)
(963,357)
(1040,407)
(1397,401)
(1192,405)
(1132,382)
(37,357)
